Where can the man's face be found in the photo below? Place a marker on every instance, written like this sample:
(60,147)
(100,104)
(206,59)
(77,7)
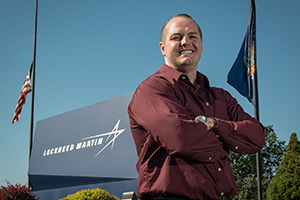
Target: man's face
(181,45)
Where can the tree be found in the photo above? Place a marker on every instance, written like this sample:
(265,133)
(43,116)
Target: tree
(244,166)
(285,184)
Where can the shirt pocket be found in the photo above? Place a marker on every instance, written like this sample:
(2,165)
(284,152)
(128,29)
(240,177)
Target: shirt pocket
(221,110)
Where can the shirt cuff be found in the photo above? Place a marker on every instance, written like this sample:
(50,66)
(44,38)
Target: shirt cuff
(223,128)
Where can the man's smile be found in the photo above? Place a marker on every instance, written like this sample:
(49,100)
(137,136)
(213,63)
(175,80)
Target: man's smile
(185,52)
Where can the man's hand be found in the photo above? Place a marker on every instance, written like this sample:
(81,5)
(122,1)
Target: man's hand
(210,123)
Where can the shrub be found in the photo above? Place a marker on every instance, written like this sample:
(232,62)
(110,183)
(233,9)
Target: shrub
(17,192)
(94,194)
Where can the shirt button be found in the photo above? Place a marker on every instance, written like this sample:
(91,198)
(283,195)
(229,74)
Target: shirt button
(183,78)
(236,147)
(217,136)
(219,169)
(207,103)
(222,193)
(209,158)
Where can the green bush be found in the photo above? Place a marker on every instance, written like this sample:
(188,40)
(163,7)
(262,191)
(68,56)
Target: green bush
(94,194)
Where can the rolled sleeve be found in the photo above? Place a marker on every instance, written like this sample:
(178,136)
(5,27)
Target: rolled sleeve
(245,137)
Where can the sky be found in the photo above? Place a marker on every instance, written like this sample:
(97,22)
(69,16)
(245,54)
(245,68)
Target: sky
(91,51)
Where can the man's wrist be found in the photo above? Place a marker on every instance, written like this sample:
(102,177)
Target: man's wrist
(211,123)
(208,121)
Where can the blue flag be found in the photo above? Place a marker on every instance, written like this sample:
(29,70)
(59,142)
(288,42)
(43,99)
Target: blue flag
(243,74)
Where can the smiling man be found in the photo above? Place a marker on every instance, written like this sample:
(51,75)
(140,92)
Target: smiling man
(181,45)
(183,128)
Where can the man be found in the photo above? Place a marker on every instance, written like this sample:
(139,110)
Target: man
(183,128)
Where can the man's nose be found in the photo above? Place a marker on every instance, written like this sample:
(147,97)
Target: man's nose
(184,40)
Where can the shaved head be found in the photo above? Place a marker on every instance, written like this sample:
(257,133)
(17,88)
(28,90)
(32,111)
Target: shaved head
(163,34)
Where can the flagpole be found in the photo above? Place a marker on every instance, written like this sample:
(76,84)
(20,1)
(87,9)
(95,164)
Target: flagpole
(256,113)
(33,85)
(246,63)
(258,156)
(258,166)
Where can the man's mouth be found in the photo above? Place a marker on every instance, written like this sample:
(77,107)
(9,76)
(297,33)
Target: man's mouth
(186,52)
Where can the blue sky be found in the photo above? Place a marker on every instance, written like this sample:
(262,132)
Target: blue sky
(90,51)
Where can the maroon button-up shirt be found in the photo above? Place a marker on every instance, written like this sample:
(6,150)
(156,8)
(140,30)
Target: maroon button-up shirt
(178,155)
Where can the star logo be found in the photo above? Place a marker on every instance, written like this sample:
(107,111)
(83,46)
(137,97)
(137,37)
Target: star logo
(115,132)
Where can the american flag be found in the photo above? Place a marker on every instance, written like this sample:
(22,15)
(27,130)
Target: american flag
(26,88)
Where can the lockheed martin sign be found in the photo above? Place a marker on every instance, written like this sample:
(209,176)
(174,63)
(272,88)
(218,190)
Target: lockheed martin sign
(87,142)
(88,146)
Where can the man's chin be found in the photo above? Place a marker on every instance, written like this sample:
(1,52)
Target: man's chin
(187,62)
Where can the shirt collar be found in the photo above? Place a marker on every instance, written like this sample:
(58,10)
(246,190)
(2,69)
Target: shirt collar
(171,73)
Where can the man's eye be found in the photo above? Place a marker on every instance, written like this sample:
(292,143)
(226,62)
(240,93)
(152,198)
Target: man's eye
(176,38)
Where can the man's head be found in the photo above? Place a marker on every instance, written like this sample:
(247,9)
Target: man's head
(181,43)
(162,33)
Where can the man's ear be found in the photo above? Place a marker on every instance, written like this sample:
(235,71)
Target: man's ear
(162,48)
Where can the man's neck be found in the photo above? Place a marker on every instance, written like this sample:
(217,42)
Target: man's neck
(190,71)
(192,76)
